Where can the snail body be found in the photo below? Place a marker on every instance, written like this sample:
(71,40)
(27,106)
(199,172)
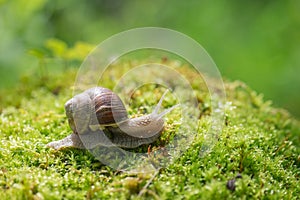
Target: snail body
(98,117)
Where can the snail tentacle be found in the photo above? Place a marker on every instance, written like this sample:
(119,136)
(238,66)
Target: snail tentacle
(158,106)
(155,113)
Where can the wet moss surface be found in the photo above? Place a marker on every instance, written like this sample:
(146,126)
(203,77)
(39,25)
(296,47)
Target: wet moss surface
(257,153)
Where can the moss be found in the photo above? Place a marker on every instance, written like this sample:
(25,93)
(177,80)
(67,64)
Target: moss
(258,143)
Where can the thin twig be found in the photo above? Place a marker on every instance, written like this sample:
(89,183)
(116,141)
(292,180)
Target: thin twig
(143,190)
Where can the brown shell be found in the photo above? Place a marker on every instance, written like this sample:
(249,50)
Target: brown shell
(95,106)
(108,106)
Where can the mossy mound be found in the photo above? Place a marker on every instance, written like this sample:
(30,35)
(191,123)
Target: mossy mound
(256,155)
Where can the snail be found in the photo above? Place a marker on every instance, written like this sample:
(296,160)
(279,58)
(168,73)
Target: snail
(98,116)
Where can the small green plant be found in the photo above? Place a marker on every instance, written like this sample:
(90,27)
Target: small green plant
(56,54)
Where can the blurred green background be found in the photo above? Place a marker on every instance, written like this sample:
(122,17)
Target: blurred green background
(256,41)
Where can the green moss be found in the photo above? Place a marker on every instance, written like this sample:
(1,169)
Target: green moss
(258,141)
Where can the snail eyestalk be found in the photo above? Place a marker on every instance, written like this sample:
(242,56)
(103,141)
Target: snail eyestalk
(160,102)
(158,106)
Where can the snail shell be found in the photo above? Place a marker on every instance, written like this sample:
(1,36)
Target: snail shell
(98,117)
(106,105)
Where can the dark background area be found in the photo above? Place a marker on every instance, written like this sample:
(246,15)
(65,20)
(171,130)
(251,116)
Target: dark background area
(257,41)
